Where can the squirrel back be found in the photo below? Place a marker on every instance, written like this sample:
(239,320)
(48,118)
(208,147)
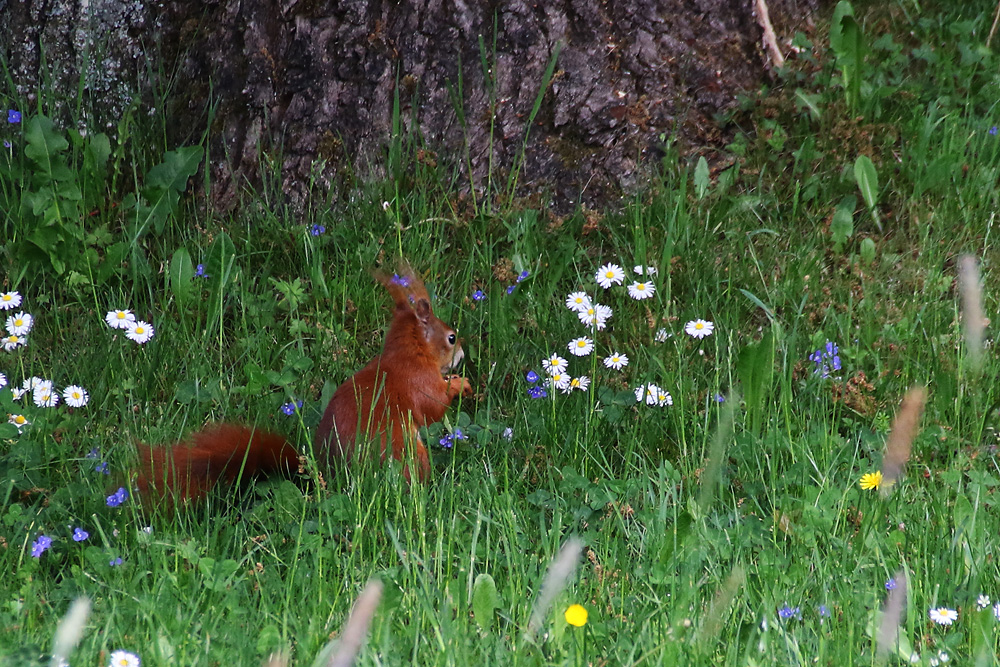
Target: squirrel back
(189,469)
(400,390)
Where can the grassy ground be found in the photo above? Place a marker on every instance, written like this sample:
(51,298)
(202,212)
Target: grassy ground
(714,532)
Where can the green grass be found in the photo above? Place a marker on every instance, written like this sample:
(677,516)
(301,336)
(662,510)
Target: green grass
(695,534)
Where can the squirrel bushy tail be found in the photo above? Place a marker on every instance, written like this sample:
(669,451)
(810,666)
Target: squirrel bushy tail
(190,469)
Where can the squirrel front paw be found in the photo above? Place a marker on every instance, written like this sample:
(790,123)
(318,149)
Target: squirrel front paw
(459,385)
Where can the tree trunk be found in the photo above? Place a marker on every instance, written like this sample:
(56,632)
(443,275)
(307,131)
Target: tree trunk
(332,83)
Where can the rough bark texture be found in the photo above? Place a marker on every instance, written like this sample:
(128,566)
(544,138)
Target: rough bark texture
(320,79)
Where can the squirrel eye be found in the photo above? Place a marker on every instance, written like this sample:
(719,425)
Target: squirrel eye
(451,338)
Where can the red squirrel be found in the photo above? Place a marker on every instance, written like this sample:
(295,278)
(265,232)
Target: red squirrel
(386,402)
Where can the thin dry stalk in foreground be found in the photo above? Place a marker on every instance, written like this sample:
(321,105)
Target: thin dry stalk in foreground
(973,319)
(70,631)
(892,615)
(559,573)
(356,628)
(904,430)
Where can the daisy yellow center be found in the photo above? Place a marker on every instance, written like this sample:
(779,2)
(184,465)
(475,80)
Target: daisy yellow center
(12,338)
(76,394)
(120,315)
(609,274)
(699,325)
(6,297)
(581,344)
(575,382)
(641,287)
(18,322)
(19,420)
(140,330)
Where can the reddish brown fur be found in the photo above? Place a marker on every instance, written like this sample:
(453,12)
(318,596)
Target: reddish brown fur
(189,470)
(400,390)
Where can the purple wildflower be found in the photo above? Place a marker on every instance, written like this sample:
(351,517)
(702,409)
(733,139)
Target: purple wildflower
(510,290)
(115,561)
(402,281)
(478,295)
(786,612)
(531,377)
(118,497)
(13,116)
(317,230)
(39,546)
(537,392)
(79,534)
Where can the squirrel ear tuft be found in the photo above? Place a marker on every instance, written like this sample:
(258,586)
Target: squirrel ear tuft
(422,307)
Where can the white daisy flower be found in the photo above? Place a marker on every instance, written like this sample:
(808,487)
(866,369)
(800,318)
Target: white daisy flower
(983,601)
(596,315)
(34,383)
(580,383)
(610,274)
(647,392)
(699,328)
(641,290)
(75,396)
(577,301)
(560,380)
(124,659)
(508,434)
(3,380)
(943,615)
(580,347)
(661,336)
(140,331)
(554,364)
(18,392)
(20,324)
(663,397)
(648,270)
(616,361)
(13,341)
(20,421)
(44,397)
(119,319)
(9,300)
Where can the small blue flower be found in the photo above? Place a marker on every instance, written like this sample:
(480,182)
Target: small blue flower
(719,398)
(993,131)
(458,435)
(118,497)
(786,612)
(292,407)
(522,276)
(478,295)
(317,230)
(102,467)
(115,561)
(446,442)
(537,392)
(823,611)
(402,281)
(531,377)
(94,453)
(13,116)
(7,144)
(39,546)
(199,271)
(890,585)
(510,290)
(827,360)
(79,534)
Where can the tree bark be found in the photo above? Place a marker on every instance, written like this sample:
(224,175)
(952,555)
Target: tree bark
(322,83)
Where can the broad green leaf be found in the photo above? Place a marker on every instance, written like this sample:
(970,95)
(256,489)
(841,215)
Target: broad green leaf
(181,276)
(484,600)
(701,178)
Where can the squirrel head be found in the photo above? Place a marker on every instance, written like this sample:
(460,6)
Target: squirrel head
(410,296)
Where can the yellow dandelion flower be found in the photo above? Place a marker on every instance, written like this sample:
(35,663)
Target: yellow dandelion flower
(576,615)
(871,480)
